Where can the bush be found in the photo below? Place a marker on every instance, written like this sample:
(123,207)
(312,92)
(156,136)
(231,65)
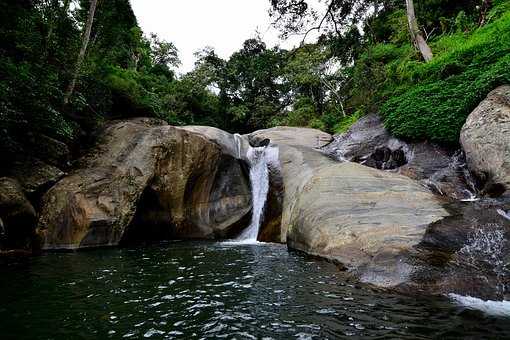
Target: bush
(436,97)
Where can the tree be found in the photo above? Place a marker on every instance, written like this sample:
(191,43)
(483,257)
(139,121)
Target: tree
(417,37)
(163,52)
(83,50)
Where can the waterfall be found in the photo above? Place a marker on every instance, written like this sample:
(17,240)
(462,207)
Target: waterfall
(259,160)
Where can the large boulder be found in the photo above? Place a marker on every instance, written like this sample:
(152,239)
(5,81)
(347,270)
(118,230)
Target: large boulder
(364,219)
(17,216)
(145,181)
(360,141)
(485,139)
(391,231)
(239,147)
(36,176)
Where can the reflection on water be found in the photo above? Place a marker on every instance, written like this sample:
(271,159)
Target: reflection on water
(214,290)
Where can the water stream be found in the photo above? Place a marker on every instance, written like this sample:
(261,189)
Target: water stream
(259,159)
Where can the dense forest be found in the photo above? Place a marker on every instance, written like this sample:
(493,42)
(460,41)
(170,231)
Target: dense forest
(67,66)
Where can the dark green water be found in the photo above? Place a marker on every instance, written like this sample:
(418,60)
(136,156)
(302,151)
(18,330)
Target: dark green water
(211,290)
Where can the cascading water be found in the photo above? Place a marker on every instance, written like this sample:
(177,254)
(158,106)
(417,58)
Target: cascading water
(259,160)
(484,249)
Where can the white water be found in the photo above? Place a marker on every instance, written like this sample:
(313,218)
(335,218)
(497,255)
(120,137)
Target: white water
(496,308)
(486,245)
(259,160)
(504,213)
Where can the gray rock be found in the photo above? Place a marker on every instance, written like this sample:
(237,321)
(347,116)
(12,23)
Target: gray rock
(485,138)
(357,144)
(362,218)
(367,142)
(292,136)
(465,253)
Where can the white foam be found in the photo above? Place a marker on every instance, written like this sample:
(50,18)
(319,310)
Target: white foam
(243,242)
(259,158)
(496,308)
(504,214)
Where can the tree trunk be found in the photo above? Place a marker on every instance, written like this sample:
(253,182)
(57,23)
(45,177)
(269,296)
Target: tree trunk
(484,9)
(83,50)
(418,40)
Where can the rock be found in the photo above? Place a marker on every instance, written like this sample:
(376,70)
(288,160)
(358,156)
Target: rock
(364,136)
(17,216)
(367,142)
(35,176)
(465,253)
(231,144)
(298,165)
(145,181)
(485,138)
(291,136)
(362,218)
(387,230)
(260,143)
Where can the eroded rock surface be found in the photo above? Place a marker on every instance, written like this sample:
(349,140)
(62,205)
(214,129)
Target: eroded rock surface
(367,142)
(146,180)
(485,139)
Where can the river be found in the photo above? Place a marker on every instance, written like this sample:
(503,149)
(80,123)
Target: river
(215,290)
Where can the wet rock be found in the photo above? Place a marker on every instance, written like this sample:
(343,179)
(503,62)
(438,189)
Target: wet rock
(485,138)
(238,146)
(367,142)
(357,144)
(17,216)
(260,143)
(466,253)
(145,180)
(384,158)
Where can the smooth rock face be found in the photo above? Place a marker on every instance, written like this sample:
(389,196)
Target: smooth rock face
(365,219)
(233,145)
(292,136)
(17,216)
(485,139)
(140,169)
(362,218)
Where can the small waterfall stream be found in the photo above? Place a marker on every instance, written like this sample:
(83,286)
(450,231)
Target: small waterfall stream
(259,159)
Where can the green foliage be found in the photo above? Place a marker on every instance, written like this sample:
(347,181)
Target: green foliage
(366,66)
(345,123)
(439,95)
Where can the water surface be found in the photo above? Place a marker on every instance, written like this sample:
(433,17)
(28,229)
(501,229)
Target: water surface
(214,290)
